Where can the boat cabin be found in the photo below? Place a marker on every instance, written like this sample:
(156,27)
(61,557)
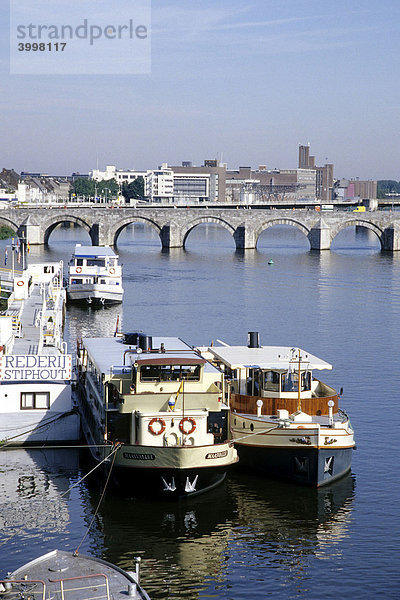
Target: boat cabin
(152,391)
(281,377)
(89,263)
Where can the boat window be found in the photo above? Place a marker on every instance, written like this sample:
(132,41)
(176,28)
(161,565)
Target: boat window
(96,262)
(31,400)
(74,281)
(79,262)
(306,381)
(271,381)
(290,382)
(170,372)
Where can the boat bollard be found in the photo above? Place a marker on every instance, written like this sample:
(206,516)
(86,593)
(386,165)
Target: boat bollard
(331,404)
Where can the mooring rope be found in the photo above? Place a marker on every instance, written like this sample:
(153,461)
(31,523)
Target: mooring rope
(114,453)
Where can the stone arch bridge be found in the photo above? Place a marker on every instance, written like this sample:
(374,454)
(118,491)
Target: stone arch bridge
(173,225)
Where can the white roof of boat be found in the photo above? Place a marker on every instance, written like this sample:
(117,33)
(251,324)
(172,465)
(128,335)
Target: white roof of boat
(265,357)
(93,251)
(112,352)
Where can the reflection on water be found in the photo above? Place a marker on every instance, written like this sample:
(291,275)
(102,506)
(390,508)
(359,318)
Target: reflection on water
(34,500)
(186,546)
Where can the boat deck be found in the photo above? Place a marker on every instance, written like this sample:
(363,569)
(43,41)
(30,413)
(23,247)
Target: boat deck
(79,578)
(30,327)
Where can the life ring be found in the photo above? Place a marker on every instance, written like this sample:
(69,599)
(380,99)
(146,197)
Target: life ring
(78,269)
(160,422)
(20,282)
(182,428)
(112,271)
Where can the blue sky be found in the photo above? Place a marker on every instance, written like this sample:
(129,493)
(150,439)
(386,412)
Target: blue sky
(242,81)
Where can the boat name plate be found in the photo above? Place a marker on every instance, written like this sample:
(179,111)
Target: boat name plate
(220,454)
(133,456)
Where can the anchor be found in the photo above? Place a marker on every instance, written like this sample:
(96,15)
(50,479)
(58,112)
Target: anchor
(191,487)
(301,464)
(327,467)
(169,487)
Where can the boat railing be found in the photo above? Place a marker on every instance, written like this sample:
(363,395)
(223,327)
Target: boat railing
(70,592)
(313,406)
(21,591)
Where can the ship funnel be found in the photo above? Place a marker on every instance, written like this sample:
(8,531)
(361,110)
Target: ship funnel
(253,339)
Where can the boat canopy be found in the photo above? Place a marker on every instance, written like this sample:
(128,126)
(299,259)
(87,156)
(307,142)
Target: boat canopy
(266,357)
(93,251)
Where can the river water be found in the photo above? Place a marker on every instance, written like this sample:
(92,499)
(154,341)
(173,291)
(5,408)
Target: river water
(251,537)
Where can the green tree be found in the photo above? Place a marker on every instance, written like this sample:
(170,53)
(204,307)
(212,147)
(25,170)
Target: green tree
(134,189)
(387,186)
(91,188)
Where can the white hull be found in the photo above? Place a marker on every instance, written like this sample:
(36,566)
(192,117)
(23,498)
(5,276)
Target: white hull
(103,294)
(31,428)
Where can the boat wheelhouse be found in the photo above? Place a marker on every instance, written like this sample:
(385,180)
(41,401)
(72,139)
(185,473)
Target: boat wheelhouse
(157,405)
(285,422)
(94,276)
(35,369)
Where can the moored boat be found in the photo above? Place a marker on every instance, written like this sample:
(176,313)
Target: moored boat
(35,367)
(285,423)
(153,408)
(67,575)
(94,276)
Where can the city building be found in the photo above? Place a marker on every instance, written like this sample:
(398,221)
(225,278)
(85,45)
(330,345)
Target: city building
(324,175)
(264,185)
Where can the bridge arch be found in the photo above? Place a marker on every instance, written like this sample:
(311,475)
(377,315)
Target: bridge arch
(120,226)
(205,219)
(360,223)
(51,223)
(4,221)
(280,221)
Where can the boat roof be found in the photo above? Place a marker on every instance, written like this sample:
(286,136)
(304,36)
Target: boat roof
(93,251)
(59,564)
(265,357)
(112,352)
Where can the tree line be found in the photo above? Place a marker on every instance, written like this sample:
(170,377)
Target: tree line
(107,189)
(387,186)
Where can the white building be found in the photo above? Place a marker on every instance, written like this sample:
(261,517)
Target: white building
(159,185)
(119,175)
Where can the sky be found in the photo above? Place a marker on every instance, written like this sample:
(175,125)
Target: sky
(244,82)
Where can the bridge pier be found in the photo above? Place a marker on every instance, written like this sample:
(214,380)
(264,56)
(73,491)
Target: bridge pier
(391,239)
(320,236)
(32,233)
(171,236)
(245,238)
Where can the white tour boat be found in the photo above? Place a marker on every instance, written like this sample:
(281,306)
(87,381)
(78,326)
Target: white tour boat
(70,576)
(155,408)
(94,276)
(284,422)
(35,368)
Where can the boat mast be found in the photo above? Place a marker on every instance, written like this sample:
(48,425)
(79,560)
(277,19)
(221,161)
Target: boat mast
(299,385)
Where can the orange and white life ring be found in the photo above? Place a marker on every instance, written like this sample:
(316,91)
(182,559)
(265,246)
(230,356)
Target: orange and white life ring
(78,269)
(112,270)
(20,282)
(184,429)
(160,428)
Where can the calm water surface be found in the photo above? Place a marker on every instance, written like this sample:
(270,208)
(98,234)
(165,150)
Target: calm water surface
(250,538)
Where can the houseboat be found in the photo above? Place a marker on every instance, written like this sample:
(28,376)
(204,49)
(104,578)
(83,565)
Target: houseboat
(36,403)
(284,422)
(154,409)
(94,276)
(68,575)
